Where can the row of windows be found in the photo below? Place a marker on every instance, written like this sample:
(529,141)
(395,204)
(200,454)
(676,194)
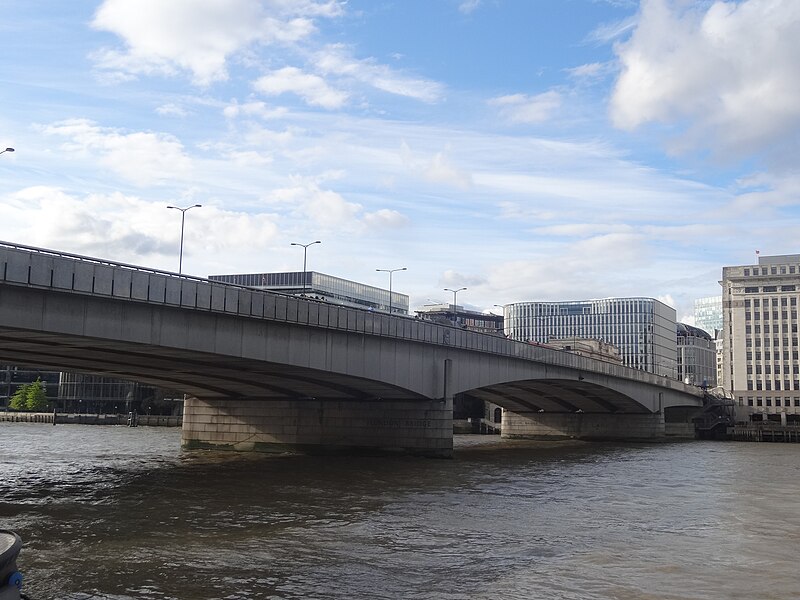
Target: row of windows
(776,328)
(773,270)
(767,385)
(768,355)
(768,369)
(768,289)
(774,301)
(756,316)
(767,401)
(749,342)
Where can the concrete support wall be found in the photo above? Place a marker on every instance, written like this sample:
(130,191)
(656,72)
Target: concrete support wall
(320,427)
(583,426)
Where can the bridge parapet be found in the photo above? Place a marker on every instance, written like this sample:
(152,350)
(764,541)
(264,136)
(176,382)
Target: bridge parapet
(71,273)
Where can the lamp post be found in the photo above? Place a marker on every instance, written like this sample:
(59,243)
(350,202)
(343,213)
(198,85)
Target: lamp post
(6,150)
(183,222)
(305,256)
(455,304)
(390,272)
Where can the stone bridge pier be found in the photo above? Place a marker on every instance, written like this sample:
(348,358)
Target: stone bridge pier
(420,427)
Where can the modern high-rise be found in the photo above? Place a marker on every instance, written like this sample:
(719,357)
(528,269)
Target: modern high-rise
(643,329)
(708,313)
(761,361)
(325,287)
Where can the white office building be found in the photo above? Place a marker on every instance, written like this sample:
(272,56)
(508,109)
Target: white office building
(643,329)
(761,365)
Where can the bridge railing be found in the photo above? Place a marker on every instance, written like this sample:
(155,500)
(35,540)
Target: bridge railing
(65,272)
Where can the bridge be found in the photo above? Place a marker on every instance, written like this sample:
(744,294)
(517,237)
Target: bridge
(270,372)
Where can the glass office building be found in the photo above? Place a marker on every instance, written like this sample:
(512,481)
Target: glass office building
(643,329)
(324,287)
(697,356)
(708,314)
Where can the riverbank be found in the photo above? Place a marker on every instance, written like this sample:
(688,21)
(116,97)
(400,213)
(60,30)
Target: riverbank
(90,419)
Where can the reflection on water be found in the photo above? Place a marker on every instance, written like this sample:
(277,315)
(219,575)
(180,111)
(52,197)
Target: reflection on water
(112,512)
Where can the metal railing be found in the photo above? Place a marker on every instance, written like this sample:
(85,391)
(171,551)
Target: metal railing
(65,272)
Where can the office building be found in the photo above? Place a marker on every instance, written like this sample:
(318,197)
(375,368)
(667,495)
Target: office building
(697,356)
(642,328)
(324,287)
(452,314)
(761,365)
(708,314)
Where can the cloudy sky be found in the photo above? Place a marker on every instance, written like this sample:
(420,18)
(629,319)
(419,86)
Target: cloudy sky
(525,150)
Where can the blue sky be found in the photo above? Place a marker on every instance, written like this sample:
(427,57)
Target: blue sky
(526,150)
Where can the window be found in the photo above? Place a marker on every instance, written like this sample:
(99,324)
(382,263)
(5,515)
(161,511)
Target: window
(759,401)
(770,288)
(750,401)
(751,290)
(778,401)
(797,401)
(788,288)
(769,401)
(747,272)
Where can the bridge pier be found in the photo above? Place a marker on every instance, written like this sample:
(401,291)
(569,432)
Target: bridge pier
(419,427)
(589,426)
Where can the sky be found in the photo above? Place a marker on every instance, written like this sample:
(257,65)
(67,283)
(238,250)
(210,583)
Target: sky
(527,150)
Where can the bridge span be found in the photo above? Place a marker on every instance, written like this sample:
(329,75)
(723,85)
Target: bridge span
(266,371)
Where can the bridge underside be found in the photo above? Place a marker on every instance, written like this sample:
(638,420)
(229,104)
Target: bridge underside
(193,373)
(246,405)
(557,396)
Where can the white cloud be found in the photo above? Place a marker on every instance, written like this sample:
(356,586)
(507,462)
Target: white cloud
(235,110)
(330,211)
(171,110)
(438,169)
(467,6)
(127,228)
(142,158)
(726,69)
(199,37)
(311,88)
(336,60)
(521,108)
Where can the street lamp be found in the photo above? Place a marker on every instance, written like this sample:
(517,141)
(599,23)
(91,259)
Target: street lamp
(455,304)
(305,256)
(6,150)
(183,221)
(390,272)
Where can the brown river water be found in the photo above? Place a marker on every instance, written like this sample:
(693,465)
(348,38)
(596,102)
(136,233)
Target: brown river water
(113,512)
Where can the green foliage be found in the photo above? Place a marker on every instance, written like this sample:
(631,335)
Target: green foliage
(30,396)
(36,397)
(19,401)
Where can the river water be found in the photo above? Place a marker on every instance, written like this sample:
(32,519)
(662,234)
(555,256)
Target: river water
(113,512)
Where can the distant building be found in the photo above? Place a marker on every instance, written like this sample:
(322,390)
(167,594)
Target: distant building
(325,287)
(642,328)
(589,347)
(697,356)
(452,314)
(708,314)
(761,354)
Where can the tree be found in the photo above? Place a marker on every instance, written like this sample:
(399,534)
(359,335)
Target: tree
(36,397)
(19,401)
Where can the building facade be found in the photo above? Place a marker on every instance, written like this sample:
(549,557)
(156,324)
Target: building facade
(325,287)
(589,347)
(697,356)
(457,315)
(642,328)
(761,360)
(708,314)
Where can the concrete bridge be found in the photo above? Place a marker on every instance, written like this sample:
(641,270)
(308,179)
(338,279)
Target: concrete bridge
(265,371)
